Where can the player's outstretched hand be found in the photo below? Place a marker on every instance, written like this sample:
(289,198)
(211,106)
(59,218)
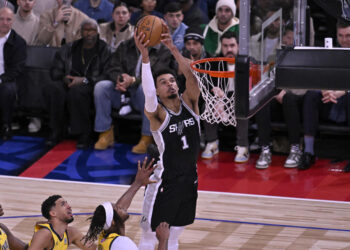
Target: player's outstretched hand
(162,233)
(166,37)
(1,211)
(144,171)
(140,43)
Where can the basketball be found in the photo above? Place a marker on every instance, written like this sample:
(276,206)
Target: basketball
(152,27)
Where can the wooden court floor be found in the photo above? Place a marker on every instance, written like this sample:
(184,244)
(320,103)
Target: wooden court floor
(223,221)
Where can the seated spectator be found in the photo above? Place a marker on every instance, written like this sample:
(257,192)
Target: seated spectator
(223,21)
(229,49)
(124,74)
(327,105)
(147,8)
(42,6)
(26,24)
(173,17)
(119,29)
(77,67)
(5,3)
(60,25)
(100,10)
(193,15)
(13,51)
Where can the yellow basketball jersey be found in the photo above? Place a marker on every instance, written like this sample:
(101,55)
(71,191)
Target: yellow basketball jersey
(4,245)
(105,243)
(59,244)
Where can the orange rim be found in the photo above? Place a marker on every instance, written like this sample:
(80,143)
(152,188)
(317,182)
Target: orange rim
(222,74)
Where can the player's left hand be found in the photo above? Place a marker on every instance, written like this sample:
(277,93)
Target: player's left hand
(144,171)
(166,37)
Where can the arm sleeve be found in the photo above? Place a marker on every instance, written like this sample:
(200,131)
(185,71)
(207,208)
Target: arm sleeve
(123,243)
(149,89)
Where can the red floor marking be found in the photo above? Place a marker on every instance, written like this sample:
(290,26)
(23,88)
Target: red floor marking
(324,180)
(50,160)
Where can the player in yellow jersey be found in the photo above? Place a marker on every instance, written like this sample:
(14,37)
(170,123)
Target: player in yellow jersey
(56,234)
(109,219)
(7,239)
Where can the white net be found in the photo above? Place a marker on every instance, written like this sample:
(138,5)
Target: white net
(217,93)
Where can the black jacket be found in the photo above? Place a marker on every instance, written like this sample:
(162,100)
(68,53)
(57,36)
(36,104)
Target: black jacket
(95,71)
(15,54)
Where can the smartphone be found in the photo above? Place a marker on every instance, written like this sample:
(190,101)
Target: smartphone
(121,78)
(66,2)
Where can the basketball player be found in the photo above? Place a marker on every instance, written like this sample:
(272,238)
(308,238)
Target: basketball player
(109,219)
(56,234)
(174,121)
(7,239)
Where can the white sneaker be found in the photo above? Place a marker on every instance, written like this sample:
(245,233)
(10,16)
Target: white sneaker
(125,110)
(293,158)
(34,125)
(264,159)
(242,154)
(211,149)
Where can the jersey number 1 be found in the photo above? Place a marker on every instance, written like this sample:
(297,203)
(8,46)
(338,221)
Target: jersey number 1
(184,142)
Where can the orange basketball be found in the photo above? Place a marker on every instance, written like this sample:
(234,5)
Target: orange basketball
(152,27)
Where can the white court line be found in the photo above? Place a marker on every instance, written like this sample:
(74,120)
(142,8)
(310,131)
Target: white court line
(200,191)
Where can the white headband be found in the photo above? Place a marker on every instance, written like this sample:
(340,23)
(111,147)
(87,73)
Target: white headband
(109,214)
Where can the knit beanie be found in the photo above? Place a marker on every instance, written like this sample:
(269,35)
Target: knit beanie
(229,3)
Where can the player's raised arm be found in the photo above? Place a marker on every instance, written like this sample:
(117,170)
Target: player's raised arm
(148,86)
(141,179)
(192,88)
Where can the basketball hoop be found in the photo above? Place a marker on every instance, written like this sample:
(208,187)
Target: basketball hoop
(217,89)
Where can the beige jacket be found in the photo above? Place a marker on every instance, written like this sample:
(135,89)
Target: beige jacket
(106,34)
(27,27)
(51,36)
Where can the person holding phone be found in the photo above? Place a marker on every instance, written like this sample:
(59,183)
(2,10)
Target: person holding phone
(60,25)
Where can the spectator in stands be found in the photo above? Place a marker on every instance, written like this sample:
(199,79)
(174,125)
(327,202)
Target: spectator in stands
(223,21)
(326,105)
(229,49)
(5,3)
(119,29)
(12,61)
(271,42)
(26,24)
(77,67)
(173,17)
(147,8)
(42,6)
(100,10)
(292,101)
(193,15)
(60,25)
(124,74)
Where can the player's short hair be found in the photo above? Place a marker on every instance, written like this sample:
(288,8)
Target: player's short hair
(228,35)
(98,221)
(162,71)
(341,23)
(172,7)
(47,205)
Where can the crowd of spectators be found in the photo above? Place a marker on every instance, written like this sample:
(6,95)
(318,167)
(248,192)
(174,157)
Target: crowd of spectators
(98,65)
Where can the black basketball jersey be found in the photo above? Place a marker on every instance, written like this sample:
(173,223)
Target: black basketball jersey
(178,141)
